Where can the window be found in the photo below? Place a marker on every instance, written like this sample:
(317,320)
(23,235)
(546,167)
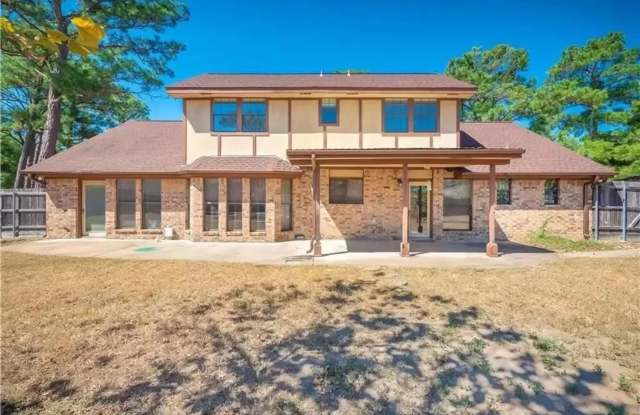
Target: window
(230,116)
(258,205)
(211,204)
(457,205)
(425,116)
(287,206)
(329,111)
(234,205)
(396,116)
(254,116)
(551,192)
(410,116)
(504,192)
(345,191)
(151,203)
(126,208)
(225,114)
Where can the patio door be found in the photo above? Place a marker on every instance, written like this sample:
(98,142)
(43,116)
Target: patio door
(420,210)
(94,209)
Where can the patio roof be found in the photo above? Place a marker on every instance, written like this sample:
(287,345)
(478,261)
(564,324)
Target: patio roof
(399,157)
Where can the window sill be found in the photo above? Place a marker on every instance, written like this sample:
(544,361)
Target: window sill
(240,134)
(234,233)
(125,231)
(152,231)
(457,230)
(258,233)
(211,233)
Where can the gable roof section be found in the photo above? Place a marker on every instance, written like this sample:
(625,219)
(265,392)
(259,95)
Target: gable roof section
(542,156)
(149,147)
(409,82)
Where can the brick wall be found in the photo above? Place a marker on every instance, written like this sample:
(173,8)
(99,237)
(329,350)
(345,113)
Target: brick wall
(62,208)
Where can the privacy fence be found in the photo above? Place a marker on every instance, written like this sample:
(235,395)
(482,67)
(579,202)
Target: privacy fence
(616,210)
(22,212)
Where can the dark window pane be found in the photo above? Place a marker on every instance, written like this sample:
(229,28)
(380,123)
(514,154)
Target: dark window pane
(258,207)
(254,116)
(234,205)
(329,111)
(211,187)
(425,116)
(551,192)
(126,208)
(457,205)
(151,200)
(396,116)
(504,192)
(348,191)
(287,197)
(225,116)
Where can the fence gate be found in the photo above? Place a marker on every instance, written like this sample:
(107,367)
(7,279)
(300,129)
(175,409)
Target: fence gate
(616,210)
(23,212)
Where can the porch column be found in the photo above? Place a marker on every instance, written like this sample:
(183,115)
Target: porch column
(404,246)
(492,247)
(317,248)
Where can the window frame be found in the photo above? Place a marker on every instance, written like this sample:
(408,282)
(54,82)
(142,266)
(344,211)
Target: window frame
(410,118)
(143,210)
(228,203)
(118,225)
(238,130)
(332,201)
(282,204)
(470,227)
(556,200)
(329,124)
(206,228)
(253,222)
(509,190)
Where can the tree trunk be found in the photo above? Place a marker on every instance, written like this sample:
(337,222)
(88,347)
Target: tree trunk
(26,155)
(49,138)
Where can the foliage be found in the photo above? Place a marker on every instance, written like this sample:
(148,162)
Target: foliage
(556,243)
(497,73)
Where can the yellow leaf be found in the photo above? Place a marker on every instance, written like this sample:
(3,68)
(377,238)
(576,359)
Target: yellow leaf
(77,47)
(6,25)
(46,43)
(89,33)
(56,36)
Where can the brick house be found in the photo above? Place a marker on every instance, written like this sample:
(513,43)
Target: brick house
(278,157)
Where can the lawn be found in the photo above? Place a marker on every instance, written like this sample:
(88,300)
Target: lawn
(104,336)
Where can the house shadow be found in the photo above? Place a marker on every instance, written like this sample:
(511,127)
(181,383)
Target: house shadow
(421,247)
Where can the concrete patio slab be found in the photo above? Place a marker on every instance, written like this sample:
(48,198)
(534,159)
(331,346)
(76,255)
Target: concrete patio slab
(336,252)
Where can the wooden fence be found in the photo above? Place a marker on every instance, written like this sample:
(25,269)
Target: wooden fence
(616,210)
(22,212)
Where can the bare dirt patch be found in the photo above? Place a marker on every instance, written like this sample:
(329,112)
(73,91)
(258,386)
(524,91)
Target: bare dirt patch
(108,336)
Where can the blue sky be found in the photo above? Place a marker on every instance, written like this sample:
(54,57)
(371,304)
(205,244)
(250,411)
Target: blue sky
(380,36)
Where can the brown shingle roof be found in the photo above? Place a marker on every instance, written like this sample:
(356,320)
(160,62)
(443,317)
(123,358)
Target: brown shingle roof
(133,147)
(542,156)
(325,82)
(242,164)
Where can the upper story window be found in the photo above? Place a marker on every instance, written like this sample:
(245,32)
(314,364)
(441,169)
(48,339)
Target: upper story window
(410,116)
(232,115)
(329,111)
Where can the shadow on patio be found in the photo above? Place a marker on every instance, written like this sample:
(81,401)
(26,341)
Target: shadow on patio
(424,247)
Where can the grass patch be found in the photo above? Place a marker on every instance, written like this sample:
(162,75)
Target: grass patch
(625,384)
(557,243)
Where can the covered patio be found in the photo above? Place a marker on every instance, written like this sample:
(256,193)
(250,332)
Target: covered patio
(404,160)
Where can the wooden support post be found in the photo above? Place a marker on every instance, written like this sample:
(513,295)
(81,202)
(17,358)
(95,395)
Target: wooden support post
(317,247)
(492,246)
(404,246)
(596,212)
(624,211)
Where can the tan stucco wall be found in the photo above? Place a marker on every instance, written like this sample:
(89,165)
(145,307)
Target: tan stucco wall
(306,131)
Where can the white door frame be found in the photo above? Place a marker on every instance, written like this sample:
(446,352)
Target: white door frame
(84,208)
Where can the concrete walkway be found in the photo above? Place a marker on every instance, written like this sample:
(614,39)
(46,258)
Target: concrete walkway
(336,252)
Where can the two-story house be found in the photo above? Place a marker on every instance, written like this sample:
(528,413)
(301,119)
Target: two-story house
(274,157)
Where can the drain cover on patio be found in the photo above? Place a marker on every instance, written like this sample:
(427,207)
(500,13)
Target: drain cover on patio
(146,249)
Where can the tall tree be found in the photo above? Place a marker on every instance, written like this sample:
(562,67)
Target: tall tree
(131,59)
(497,73)
(592,97)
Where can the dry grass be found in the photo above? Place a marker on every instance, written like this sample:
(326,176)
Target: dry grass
(107,336)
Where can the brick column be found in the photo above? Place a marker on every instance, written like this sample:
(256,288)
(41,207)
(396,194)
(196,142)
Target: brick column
(196,189)
(404,247)
(138,205)
(110,194)
(222,206)
(63,208)
(272,225)
(246,207)
(492,247)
